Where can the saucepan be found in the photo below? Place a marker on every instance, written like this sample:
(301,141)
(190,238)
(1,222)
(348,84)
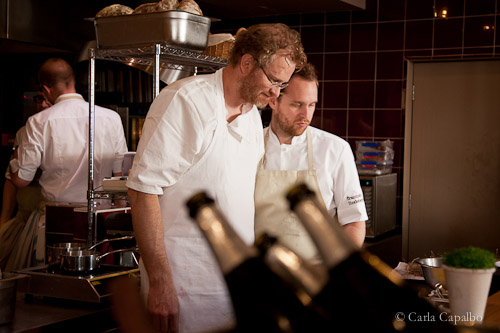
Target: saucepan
(55,251)
(85,261)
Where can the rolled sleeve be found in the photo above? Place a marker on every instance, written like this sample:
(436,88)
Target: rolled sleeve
(171,141)
(29,151)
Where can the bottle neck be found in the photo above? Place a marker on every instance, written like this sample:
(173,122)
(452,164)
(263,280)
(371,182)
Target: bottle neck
(333,244)
(228,247)
(290,267)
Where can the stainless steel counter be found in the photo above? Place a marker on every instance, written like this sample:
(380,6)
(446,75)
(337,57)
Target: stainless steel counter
(37,314)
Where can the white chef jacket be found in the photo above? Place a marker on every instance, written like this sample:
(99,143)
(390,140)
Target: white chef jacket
(57,140)
(187,146)
(335,168)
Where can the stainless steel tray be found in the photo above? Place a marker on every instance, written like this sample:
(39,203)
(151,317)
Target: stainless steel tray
(175,28)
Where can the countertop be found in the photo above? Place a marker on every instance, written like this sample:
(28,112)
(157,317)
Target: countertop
(45,314)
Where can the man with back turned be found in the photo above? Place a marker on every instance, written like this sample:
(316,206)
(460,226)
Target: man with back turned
(57,141)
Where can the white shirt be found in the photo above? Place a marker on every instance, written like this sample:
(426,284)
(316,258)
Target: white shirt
(335,168)
(179,128)
(57,140)
(187,146)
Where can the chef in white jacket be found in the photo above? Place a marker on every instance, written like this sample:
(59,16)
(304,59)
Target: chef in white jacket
(297,152)
(203,133)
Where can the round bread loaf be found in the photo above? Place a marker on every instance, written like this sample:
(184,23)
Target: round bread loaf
(114,10)
(167,4)
(189,6)
(149,7)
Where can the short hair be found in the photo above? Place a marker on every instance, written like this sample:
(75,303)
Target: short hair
(56,71)
(264,40)
(308,73)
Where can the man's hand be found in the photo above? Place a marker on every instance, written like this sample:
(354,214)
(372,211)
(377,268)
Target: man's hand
(163,303)
(163,307)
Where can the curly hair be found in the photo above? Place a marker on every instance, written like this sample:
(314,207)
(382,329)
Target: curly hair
(262,41)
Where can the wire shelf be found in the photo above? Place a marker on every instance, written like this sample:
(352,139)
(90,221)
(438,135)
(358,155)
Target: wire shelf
(171,58)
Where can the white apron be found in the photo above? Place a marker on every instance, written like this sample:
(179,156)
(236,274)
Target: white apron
(272,210)
(227,173)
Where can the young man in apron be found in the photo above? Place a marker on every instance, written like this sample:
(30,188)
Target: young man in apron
(297,152)
(203,133)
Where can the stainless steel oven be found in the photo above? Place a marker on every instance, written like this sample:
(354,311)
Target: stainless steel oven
(380,199)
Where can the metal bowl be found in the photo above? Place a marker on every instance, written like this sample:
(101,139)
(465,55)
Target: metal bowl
(432,271)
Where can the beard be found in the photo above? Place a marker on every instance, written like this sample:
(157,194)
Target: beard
(291,127)
(250,92)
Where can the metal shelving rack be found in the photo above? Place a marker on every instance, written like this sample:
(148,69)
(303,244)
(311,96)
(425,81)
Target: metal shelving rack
(155,55)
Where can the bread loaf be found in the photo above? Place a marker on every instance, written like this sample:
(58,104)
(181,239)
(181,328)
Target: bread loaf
(189,6)
(149,7)
(167,4)
(114,10)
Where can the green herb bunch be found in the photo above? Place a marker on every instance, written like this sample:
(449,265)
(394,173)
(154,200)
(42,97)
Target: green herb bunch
(470,257)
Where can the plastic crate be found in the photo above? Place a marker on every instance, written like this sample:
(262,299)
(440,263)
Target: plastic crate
(374,167)
(383,155)
(366,146)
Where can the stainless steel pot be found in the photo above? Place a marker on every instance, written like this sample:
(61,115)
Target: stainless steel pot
(85,260)
(432,271)
(55,251)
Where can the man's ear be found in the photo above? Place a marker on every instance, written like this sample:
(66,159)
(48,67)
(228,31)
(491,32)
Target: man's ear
(247,63)
(45,90)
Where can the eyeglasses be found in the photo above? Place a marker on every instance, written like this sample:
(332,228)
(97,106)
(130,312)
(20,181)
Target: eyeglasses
(275,84)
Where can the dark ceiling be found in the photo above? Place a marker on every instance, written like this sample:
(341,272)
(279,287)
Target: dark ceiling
(223,9)
(29,25)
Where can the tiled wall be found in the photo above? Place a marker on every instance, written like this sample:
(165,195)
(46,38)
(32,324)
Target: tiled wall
(360,57)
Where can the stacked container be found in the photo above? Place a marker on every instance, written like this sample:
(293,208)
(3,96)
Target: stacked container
(374,157)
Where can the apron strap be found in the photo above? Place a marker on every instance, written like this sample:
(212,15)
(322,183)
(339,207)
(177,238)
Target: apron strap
(310,157)
(263,159)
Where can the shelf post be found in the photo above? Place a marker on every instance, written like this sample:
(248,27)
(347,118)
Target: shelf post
(156,73)
(90,192)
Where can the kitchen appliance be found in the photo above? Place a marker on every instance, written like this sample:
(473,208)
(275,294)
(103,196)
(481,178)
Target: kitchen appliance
(379,193)
(94,287)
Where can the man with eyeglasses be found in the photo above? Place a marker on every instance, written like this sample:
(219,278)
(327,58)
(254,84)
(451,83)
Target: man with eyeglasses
(297,152)
(204,133)
(41,101)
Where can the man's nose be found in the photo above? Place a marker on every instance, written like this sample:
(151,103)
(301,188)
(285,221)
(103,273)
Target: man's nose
(275,91)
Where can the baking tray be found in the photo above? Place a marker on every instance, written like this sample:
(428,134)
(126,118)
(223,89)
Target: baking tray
(174,28)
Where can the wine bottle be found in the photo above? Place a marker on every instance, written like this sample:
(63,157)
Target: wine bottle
(261,300)
(362,289)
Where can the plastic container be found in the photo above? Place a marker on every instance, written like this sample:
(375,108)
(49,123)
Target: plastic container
(374,167)
(374,146)
(383,155)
